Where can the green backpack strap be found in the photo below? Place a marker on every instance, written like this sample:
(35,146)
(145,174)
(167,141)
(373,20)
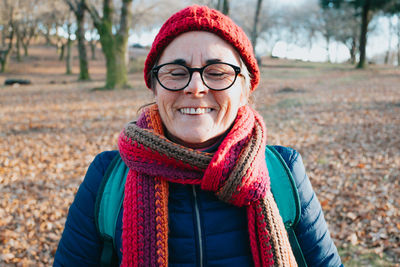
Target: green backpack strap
(109,201)
(286,197)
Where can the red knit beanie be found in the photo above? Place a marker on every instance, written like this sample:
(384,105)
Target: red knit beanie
(202,18)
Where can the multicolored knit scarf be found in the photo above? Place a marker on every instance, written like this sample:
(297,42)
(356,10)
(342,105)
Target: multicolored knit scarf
(236,172)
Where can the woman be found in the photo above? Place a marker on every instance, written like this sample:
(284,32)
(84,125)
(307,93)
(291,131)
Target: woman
(197,192)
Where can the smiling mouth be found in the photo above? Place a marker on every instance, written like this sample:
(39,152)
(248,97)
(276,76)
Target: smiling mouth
(194,111)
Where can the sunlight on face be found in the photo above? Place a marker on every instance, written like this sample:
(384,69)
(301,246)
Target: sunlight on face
(196,115)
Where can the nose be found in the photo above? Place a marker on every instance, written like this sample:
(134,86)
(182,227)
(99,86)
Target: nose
(196,86)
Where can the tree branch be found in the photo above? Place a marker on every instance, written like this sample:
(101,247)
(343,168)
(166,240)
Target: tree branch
(71,6)
(108,10)
(126,14)
(93,13)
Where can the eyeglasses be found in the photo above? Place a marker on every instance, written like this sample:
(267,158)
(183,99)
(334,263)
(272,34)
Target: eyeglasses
(216,76)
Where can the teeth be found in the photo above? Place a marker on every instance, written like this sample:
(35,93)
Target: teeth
(195,111)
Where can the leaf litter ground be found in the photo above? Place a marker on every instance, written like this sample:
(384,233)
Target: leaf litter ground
(344,122)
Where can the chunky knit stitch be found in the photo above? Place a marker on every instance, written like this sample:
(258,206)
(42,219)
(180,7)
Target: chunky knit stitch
(202,18)
(236,172)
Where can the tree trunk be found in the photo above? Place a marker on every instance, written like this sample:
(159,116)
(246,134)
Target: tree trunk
(29,34)
(224,7)
(60,50)
(254,34)
(114,46)
(364,31)
(4,58)
(92,44)
(80,34)
(5,54)
(47,36)
(69,56)
(114,52)
(18,44)
(353,50)
(398,52)
(117,76)
(78,8)
(25,45)
(387,55)
(398,40)
(3,36)
(328,42)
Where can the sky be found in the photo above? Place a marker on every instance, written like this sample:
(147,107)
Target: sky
(377,43)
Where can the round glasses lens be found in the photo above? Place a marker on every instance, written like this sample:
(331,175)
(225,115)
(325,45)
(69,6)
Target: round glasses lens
(219,76)
(173,76)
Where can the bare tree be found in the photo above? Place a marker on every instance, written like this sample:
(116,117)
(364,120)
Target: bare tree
(348,30)
(54,14)
(147,14)
(391,29)
(398,40)
(312,22)
(68,59)
(27,33)
(254,33)
(8,10)
(293,25)
(78,8)
(113,39)
(18,43)
(368,9)
(26,25)
(267,25)
(393,9)
(329,24)
(93,38)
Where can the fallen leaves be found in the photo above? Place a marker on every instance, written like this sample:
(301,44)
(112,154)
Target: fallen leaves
(347,133)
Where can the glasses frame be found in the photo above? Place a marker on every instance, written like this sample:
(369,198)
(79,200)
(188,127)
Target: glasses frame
(191,71)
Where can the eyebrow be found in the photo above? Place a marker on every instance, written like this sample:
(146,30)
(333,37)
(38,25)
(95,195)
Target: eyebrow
(208,61)
(213,60)
(179,61)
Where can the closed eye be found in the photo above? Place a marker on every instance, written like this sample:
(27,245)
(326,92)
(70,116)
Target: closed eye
(178,73)
(216,73)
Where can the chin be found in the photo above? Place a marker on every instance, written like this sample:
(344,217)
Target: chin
(195,139)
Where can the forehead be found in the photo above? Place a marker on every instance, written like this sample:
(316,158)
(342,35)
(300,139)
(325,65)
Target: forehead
(197,47)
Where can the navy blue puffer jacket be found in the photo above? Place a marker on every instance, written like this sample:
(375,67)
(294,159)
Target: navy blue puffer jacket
(203,231)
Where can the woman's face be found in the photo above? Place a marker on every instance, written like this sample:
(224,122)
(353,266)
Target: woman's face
(215,110)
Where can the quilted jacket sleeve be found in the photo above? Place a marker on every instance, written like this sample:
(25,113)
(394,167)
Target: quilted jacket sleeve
(312,231)
(80,244)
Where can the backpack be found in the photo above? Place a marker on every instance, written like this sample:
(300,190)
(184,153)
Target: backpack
(110,197)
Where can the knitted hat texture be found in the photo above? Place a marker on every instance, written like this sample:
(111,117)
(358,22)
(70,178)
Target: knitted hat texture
(202,18)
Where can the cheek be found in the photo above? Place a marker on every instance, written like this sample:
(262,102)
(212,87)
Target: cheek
(233,99)
(165,101)
(229,103)
(162,98)
(244,97)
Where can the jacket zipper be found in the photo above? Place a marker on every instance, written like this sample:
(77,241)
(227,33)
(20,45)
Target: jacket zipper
(197,213)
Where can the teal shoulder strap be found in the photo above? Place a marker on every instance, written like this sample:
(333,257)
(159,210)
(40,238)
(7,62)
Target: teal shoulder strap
(286,197)
(283,187)
(108,205)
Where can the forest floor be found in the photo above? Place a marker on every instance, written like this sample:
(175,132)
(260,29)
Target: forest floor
(345,123)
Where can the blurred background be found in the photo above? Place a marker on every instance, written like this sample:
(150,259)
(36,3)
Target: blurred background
(71,77)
